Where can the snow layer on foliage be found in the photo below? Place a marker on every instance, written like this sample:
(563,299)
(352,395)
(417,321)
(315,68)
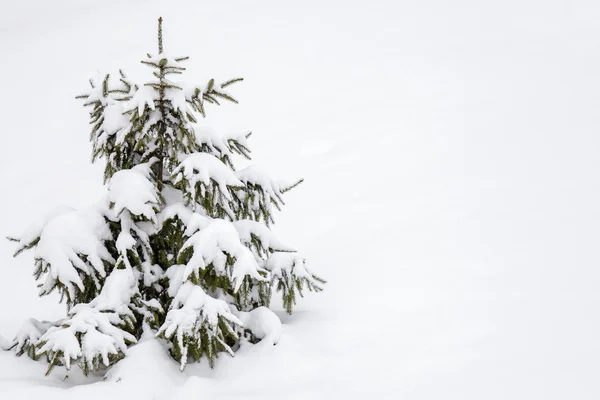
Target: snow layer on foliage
(196,223)
(34,231)
(189,89)
(30,332)
(192,308)
(191,302)
(211,246)
(179,210)
(257,176)
(114,118)
(247,228)
(125,241)
(69,236)
(192,220)
(96,93)
(203,167)
(114,122)
(97,322)
(292,263)
(100,336)
(178,101)
(133,189)
(263,323)
(144,96)
(119,287)
(208,136)
(175,273)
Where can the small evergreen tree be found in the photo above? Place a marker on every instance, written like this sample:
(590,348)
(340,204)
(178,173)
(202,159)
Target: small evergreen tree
(180,244)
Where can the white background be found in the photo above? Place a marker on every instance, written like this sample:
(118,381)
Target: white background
(450,151)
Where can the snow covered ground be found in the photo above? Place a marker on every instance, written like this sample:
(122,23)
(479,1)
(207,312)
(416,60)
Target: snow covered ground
(451,194)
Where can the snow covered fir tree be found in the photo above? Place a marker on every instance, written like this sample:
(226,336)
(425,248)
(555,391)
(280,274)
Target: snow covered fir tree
(179,246)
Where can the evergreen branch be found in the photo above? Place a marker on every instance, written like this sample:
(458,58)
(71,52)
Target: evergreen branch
(201,108)
(231,82)
(26,247)
(105,86)
(210,99)
(287,189)
(161,85)
(224,96)
(160,38)
(153,64)
(90,103)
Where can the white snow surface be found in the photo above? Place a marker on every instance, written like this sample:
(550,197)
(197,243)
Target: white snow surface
(451,192)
